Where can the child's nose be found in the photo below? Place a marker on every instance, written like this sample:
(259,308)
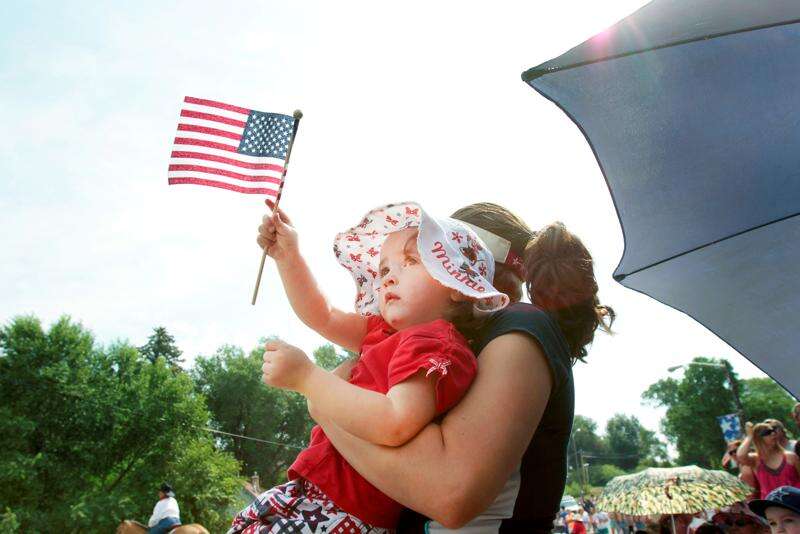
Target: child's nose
(389,280)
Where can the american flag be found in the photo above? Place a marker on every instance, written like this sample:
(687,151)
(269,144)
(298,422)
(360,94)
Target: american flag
(731,429)
(239,149)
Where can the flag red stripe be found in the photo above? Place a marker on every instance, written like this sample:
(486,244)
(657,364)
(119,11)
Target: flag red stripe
(210,131)
(222,172)
(212,117)
(214,104)
(223,185)
(229,161)
(200,142)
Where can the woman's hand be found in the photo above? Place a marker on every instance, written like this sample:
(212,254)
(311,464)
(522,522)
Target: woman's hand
(285,366)
(277,236)
(748,429)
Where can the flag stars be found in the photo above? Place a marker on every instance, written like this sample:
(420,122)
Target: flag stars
(266,134)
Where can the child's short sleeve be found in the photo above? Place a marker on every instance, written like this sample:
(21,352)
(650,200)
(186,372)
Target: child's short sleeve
(451,364)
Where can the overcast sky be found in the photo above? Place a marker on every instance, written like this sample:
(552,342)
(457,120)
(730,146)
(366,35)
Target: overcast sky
(423,102)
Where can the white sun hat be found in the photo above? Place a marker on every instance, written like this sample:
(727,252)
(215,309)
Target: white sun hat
(450,250)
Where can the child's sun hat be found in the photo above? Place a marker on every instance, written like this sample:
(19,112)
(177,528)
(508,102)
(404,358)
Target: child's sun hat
(451,252)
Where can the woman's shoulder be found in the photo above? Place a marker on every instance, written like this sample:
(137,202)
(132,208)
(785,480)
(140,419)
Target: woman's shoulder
(537,324)
(526,318)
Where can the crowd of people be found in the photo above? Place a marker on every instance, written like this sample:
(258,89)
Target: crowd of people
(735,520)
(766,460)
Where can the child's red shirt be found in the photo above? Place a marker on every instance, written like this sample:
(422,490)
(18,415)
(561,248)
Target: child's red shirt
(388,358)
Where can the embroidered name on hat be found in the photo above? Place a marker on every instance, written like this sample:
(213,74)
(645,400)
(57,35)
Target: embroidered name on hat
(440,253)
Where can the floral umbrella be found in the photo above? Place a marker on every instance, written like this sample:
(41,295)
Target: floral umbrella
(676,490)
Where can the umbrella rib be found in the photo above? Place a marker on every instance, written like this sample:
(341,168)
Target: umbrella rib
(620,277)
(535,72)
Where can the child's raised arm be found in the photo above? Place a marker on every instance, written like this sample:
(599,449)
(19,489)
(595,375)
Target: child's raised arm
(277,236)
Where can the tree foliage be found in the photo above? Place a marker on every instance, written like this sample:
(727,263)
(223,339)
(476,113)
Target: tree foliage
(88,433)
(630,444)
(242,405)
(162,345)
(327,357)
(695,401)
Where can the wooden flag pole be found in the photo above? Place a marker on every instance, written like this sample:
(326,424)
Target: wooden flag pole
(297,116)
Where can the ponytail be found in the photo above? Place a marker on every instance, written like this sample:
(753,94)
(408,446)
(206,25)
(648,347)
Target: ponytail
(557,269)
(559,277)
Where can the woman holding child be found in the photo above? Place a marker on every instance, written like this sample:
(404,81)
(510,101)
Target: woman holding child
(496,462)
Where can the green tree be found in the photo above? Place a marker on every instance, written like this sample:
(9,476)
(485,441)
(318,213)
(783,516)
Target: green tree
(584,445)
(630,444)
(162,344)
(327,357)
(88,433)
(243,406)
(695,401)
(600,474)
(763,398)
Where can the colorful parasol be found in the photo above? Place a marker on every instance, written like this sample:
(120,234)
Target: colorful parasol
(676,490)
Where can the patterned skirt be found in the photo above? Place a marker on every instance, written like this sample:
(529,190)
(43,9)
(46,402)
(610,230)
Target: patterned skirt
(297,507)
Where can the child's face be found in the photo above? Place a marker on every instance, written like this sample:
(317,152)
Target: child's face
(783,521)
(409,295)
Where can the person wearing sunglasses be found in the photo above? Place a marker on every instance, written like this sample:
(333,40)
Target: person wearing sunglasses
(746,473)
(783,437)
(773,466)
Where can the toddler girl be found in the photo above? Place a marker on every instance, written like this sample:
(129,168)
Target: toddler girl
(415,274)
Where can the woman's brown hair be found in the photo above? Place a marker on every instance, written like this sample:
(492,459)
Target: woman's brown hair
(558,270)
(758,440)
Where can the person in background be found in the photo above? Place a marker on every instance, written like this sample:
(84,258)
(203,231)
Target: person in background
(746,473)
(562,520)
(166,514)
(709,528)
(796,418)
(783,438)
(578,524)
(617,526)
(774,467)
(601,522)
(781,509)
(740,522)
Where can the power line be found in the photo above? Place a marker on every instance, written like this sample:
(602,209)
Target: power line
(248,437)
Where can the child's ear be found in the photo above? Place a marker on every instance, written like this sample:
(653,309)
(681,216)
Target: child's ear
(457,296)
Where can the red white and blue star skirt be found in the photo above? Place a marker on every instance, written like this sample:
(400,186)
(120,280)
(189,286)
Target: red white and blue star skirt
(298,507)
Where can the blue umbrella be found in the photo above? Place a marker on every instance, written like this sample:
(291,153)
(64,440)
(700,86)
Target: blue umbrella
(692,109)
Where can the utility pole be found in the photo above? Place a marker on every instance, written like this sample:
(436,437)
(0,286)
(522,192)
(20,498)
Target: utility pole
(726,366)
(735,391)
(578,464)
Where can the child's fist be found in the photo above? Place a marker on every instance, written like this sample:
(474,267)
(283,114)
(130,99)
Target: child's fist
(276,235)
(285,366)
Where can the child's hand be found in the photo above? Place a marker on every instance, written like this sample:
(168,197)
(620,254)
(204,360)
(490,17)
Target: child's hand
(277,236)
(285,366)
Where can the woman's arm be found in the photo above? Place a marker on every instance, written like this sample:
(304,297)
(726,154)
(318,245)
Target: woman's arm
(460,465)
(743,454)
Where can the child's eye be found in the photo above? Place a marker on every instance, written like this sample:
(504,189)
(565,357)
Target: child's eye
(383,271)
(411,260)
